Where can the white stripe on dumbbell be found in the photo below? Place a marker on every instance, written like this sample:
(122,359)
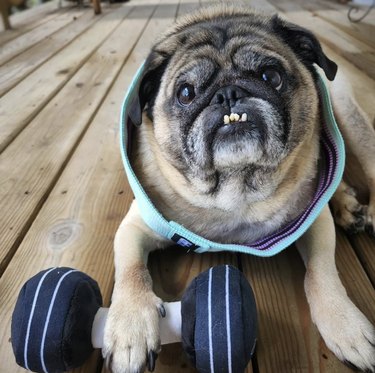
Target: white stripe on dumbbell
(229,342)
(31,318)
(49,316)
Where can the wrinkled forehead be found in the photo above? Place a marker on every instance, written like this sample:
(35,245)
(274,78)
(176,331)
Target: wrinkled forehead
(222,31)
(238,43)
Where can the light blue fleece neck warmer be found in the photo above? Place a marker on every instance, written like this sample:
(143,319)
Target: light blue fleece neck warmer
(330,174)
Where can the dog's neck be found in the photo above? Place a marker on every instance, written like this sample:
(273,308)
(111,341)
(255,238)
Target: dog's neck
(236,211)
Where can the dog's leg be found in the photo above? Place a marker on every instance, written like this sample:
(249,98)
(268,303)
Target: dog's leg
(345,330)
(359,136)
(131,338)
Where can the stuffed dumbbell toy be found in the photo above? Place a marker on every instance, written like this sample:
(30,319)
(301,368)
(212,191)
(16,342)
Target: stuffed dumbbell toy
(58,321)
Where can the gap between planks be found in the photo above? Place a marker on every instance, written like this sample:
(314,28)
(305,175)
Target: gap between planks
(19,67)
(358,53)
(197,260)
(25,21)
(14,47)
(48,147)
(108,169)
(35,91)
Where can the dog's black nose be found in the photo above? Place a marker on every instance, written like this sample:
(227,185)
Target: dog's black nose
(228,95)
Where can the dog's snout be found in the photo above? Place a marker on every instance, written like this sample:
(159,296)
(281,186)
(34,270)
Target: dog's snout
(228,95)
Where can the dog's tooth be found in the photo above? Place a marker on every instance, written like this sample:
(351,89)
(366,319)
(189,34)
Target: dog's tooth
(244,117)
(231,117)
(236,117)
(226,119)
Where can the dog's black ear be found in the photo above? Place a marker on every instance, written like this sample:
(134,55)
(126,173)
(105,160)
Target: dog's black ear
(147,86)
(305,45)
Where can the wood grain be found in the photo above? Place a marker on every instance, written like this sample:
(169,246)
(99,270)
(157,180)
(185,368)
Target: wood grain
(63,191)
(364,245)
(26,21)
(336,13)
(50,139)
(77,223)
(13,71)
(17,46)
(355,51)
(34,92)
(361,31)
(287,339)
(354,277)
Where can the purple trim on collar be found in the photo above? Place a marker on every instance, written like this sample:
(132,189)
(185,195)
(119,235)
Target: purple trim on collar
(326,176)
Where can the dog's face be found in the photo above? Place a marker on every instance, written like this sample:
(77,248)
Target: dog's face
(232,94)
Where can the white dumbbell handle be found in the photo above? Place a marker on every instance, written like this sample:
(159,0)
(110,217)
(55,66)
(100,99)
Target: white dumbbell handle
(170,325)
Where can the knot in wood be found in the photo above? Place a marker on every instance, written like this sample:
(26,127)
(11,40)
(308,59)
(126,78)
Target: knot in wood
(63,234)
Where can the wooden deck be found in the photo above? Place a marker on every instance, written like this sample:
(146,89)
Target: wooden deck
(63,191)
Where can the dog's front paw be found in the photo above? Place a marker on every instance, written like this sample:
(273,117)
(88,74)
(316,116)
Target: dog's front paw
(131,337)
(348,334)
(347,211)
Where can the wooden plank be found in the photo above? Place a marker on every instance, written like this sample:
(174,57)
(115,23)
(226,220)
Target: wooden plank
(354,277)
(358,53)
(342,7)
(288,341)
(187,6)
(206,3)
(37,89)
(263,6)
(363,86)
(51,137)
(25,63)
(313,6)
(25,41)
(281,345)
(337,15)
(25,21)
(77,223)
(26,26)
(361,31)
(28,17)
(364,247)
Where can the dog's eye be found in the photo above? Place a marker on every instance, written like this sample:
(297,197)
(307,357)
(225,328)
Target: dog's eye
(186,94)
(273,78)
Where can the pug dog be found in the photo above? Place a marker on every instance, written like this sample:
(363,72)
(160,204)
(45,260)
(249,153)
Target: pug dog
(229,148)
